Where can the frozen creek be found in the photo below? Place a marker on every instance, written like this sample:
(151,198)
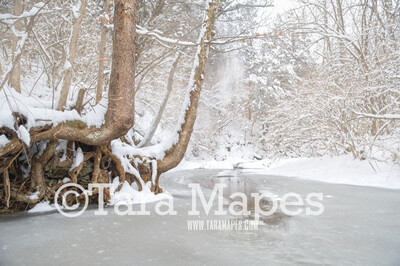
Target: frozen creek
(359,226)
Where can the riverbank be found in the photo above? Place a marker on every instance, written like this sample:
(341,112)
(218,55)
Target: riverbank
(336,170)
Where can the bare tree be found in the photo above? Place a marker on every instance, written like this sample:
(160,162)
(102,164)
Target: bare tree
(69,63)
(15,78)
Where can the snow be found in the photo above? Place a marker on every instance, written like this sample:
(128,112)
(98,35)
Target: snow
(34,196)
(43,206)
(157,151)
(24,135)
(75,10)
(39,112)
(154,171)
(10,19)
(3,140)
(78,158)
(336,170)
(125,152)
(383,116)
(66,180)
(129,194)
(67,65)
(156,35)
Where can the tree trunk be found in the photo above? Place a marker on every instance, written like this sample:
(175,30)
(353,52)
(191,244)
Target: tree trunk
(119,117)
(69,64)
(118,120)
(102,50)
(15,78)
(174,155)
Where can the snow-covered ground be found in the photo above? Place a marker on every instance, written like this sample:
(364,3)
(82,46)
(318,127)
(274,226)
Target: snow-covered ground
(338,170)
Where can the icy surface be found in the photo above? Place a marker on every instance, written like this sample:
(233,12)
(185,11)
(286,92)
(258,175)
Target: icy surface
(360,226)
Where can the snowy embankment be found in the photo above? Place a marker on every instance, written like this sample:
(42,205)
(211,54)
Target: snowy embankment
(338,170)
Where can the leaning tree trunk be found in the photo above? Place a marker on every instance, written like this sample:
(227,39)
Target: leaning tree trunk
(15,78)
(174,155)
(69,64)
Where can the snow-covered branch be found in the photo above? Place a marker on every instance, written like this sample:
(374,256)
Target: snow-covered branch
(216,41)
(37,9)
(385,116)
(157,35)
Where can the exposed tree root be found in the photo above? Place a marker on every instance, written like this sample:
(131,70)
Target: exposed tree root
(9,153)
(96,166)
(99,165)
(20,197)
(37,170)
(73,173)
(6,183)
(116,161)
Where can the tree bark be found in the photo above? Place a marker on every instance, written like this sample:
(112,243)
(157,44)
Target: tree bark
(174,155)
(69,64)
(102,50)
(15,78)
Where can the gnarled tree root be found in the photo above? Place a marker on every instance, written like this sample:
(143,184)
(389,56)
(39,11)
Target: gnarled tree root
(40,185)
(37,172)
